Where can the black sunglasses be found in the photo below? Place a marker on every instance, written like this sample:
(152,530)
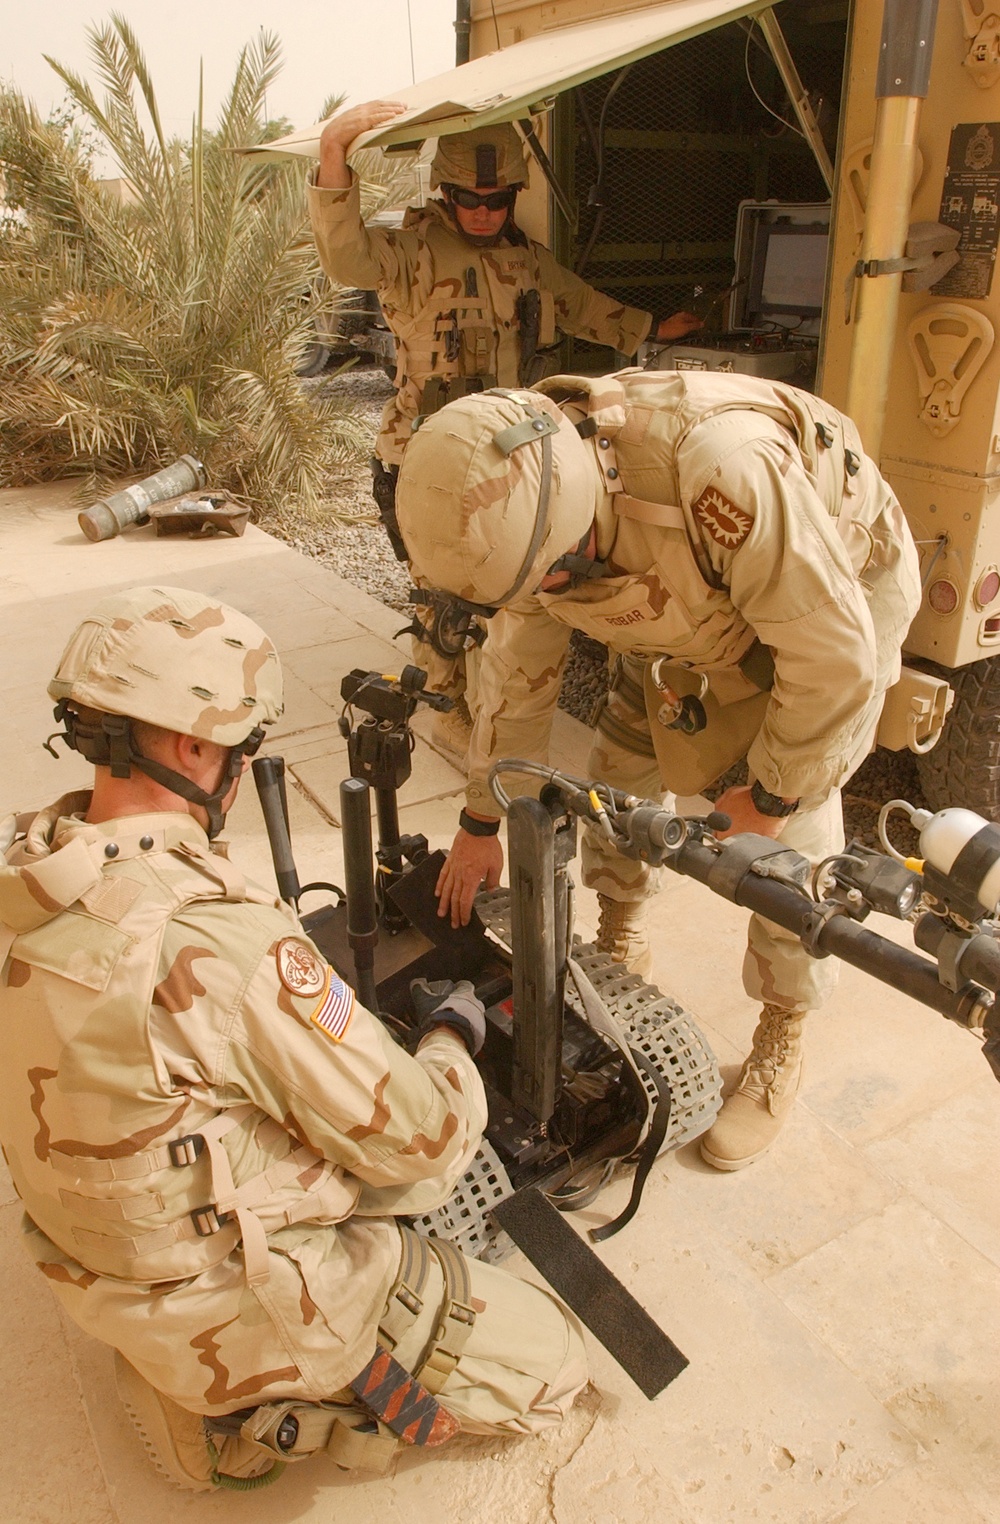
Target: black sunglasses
(495,201)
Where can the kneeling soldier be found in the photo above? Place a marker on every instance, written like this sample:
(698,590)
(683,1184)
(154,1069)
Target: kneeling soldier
(212,1138)
(751,574)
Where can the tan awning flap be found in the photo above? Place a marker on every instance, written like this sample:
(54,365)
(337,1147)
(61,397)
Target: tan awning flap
(507,85)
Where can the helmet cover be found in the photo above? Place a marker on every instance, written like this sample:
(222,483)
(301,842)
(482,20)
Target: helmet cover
(177,659)
(485,157)
(469,512)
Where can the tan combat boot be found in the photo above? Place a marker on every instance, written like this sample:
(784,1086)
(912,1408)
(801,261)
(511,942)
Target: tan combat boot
(176,1440)
(623,933)
(752,1117)
(452,730)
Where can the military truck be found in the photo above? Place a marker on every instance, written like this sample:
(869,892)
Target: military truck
(821,182)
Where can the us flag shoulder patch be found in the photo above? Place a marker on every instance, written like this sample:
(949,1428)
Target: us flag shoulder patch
(336,1007)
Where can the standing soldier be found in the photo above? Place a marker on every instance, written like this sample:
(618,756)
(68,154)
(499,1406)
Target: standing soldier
(469,298)
(211,1137)
(750,571)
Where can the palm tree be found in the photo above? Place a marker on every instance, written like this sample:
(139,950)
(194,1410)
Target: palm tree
(169,318)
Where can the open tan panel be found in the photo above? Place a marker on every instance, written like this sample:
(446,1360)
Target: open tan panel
(526,76)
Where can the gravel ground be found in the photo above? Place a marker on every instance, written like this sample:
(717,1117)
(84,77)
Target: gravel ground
(360,552)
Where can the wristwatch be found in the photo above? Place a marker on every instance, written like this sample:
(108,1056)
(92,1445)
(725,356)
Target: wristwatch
(477,827)
(770,804)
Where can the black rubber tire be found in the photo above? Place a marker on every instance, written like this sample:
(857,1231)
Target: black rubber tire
(964,767)
(315,360)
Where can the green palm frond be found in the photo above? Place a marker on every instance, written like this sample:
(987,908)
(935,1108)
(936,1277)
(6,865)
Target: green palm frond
(171,318)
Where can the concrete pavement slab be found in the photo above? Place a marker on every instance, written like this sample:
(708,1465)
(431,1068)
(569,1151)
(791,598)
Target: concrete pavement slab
(888,1314)
(949,1160)
(920,1494)
(432,777)
(767,1423)
(808,1189)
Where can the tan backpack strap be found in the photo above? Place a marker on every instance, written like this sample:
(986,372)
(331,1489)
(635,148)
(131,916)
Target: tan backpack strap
(458,1317)
(661,515)
(182,1150)
(225,873)
(405,1301)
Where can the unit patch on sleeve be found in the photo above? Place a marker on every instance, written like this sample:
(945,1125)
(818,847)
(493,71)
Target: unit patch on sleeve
(300,968)
(727,524)
(333,1013)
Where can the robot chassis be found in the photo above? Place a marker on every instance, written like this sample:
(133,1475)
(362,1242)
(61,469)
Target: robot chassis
(588,1068)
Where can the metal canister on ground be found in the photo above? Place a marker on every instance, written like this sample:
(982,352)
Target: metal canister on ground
(107,518)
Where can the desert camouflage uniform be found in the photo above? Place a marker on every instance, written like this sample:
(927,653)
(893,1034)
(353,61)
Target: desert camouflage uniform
(726,520)
(453,308)
(149,994)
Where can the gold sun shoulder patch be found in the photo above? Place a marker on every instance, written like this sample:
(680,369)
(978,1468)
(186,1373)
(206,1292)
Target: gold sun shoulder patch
(727,524)
(300,968)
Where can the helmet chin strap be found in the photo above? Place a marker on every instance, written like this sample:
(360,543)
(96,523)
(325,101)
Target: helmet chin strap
(110,743)
(581,567)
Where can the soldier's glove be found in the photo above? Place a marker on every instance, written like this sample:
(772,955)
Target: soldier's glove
(445,1003)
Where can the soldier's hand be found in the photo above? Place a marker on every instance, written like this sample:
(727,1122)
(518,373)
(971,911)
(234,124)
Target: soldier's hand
(677,326)
(443,997)
(341,130)
(473,861)
(738,805)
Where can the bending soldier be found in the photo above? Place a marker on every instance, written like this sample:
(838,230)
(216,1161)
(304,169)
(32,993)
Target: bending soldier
(469,298)
(746,565)
(211,1137)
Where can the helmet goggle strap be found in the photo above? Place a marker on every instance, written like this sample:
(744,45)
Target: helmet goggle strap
(536,426)
(110,743)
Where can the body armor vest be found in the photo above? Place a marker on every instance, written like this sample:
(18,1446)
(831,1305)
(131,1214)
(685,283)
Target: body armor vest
(638,422)
(130,1170)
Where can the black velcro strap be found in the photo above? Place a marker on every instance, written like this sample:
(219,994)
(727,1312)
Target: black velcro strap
(486,164)
(402,1402)
(586,1285)
(651,1146)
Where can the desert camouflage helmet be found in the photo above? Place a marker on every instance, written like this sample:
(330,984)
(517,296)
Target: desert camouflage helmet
(492,491)
(487,156)
(176,659)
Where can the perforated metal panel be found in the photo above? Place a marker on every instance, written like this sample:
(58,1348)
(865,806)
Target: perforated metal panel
(650,1021)
(685,141)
